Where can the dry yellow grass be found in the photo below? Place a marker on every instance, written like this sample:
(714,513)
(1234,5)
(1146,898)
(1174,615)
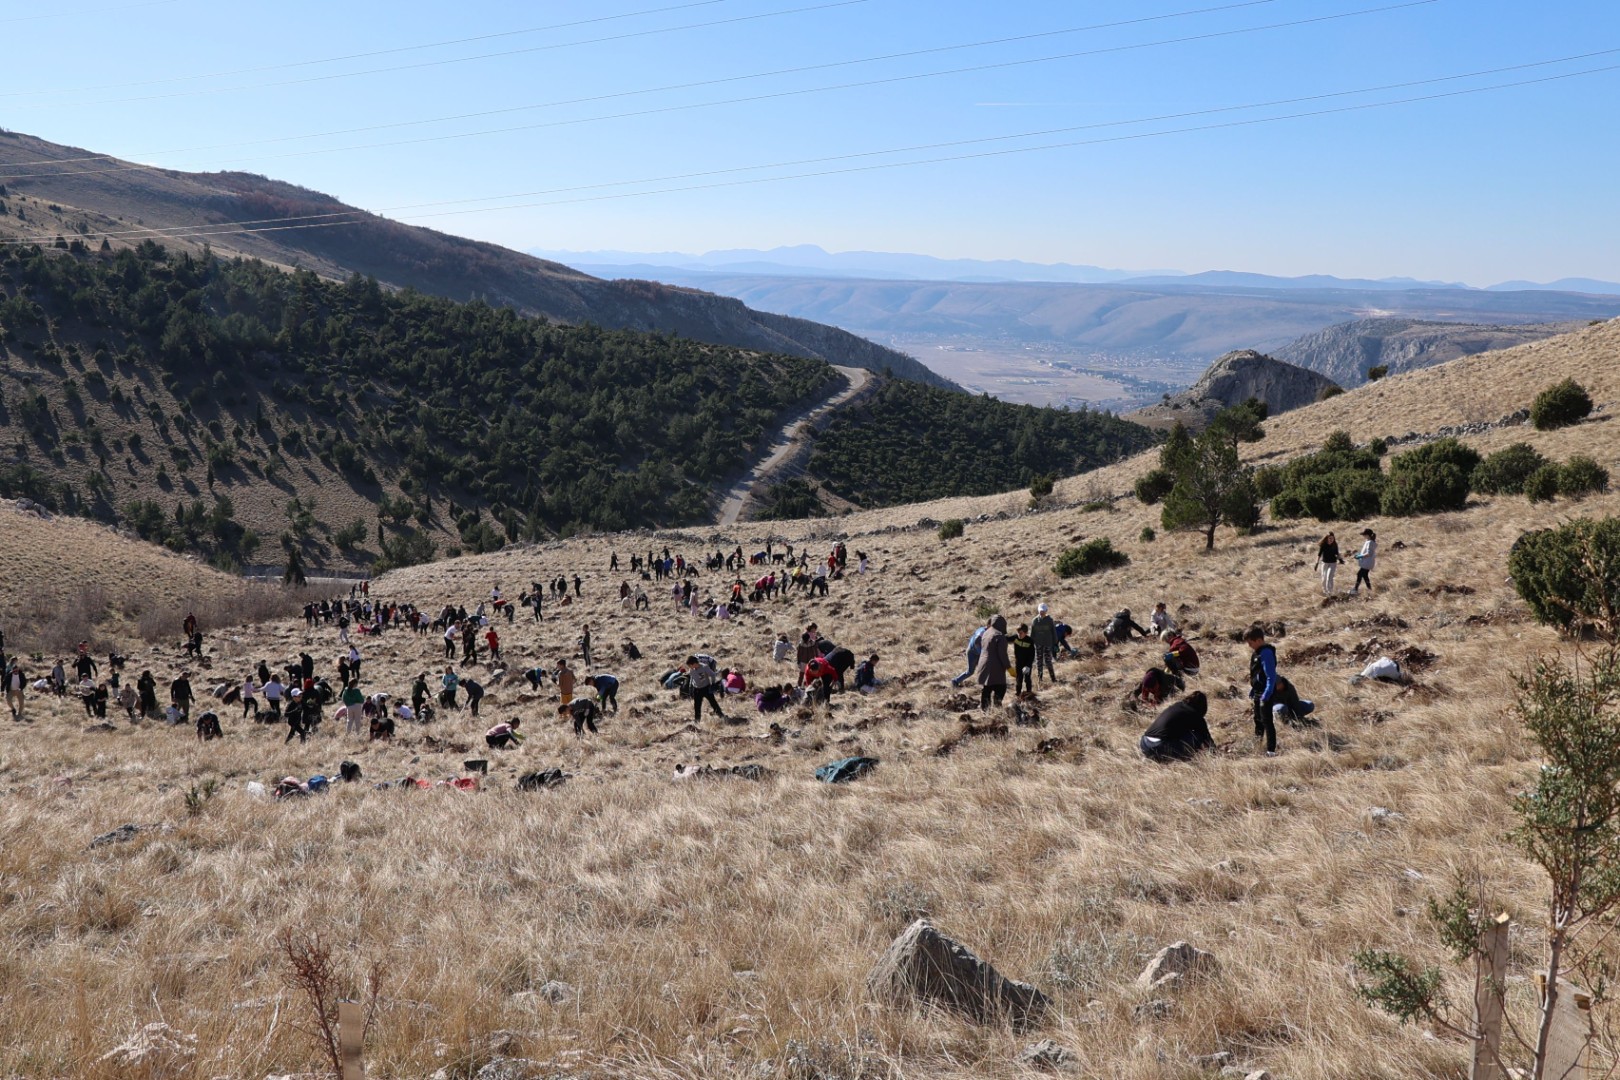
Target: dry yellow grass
(712,926)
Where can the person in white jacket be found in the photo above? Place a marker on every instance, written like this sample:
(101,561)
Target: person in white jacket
(1366,559)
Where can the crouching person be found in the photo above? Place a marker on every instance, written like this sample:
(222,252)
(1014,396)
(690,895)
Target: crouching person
(503,736)
(1179,732)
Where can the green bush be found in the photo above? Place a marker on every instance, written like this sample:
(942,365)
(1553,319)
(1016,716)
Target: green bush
(1507,471)
(1268,482)
(1377,372)
(1570,576)
(351,535)
(1543,484)
(1337,483)
(1041,487)
(1580,475)
(1332,391)
(1154,485)
(950,528)
(1148,535)
(1560,405)
(1432,479)
(1090,557)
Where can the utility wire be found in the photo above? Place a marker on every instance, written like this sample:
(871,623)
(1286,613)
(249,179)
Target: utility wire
(555,46)
(315,221)
(661,89)
(749,99)
(353,56)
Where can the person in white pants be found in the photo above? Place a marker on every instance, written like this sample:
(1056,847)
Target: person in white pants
(1328,561)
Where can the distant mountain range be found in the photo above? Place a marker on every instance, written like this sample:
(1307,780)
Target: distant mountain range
(1345,353)
(808,260)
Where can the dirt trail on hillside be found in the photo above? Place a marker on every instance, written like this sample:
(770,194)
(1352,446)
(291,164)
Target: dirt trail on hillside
(788,439)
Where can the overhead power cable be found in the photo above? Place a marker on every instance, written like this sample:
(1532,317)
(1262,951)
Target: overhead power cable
(804,91)
(553,47)
(315,221)
(170,80)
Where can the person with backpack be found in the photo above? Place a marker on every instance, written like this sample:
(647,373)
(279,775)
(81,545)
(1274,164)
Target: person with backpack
(975,648)
(701,681)
(1274,697)
(1328,561)
(1366,559)
(1023,654)
(181,695)
(1043,633)
(1179,732)
(993,668)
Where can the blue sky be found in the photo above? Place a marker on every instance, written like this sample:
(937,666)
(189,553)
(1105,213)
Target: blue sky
(1479,188)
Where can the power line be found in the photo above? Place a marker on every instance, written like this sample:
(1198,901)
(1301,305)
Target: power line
(662,89)
(349,56)
(467,59)
(354,216)
(860,84)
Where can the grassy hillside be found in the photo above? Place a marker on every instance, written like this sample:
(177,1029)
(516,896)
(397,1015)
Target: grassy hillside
(218,406)
(53,192)
(714,928)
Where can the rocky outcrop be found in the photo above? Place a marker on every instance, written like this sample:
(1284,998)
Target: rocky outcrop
(1346,352)
(1232,380)
(923,966)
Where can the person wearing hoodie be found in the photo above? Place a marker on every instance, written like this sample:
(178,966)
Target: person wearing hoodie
(1366,559)
(1043,632)
(1023,653)
(994,664)
(1118,629)
(1179,732)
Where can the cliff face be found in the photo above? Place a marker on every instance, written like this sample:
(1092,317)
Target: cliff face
(1231,380)
(1345,352)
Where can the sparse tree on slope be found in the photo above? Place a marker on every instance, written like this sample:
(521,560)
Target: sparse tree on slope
(1213,487)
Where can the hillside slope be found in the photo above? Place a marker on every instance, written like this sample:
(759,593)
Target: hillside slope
(1345,353)
(297,227)
(1232,380)
(729,923)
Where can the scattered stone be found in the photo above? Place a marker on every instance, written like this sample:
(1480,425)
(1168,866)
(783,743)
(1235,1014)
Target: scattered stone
(101,728)
(1157,1009)
(1180,959)
(1383,815)
(156,1052)
(500,1044)
(924,965)
(555,992)
(1233,1072)
(1217,1060)
(1046,1054)
(504,1068)
(124,834)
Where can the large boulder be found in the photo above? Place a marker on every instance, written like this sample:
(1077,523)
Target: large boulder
(1175,964)
(924,966)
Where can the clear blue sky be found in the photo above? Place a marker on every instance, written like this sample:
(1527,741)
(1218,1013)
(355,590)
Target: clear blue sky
(1480,188)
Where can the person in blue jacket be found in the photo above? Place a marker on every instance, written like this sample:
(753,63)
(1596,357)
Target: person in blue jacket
(1274,697)
(974,646)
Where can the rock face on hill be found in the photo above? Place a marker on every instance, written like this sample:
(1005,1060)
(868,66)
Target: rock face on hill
(1345,352)
(1233,379)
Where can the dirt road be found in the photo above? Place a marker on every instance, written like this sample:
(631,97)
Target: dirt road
(787,440)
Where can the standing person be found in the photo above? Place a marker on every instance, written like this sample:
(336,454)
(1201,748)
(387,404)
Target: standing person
(250,704)
(448,683)
(1328,561)
(1179,732)
(180,694)
(1366,559)
(1274,696)
(273,693)
(565,681)
(578,584)
(1023,653)
(993,668)
(493,640)
(701,680)
(1043,632)
(16,681)
(452,631)
(296,723)
(585,643)
(975,647)
(354,700)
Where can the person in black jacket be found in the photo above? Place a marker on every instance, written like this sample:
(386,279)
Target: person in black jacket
(1180,731)
(993,668)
